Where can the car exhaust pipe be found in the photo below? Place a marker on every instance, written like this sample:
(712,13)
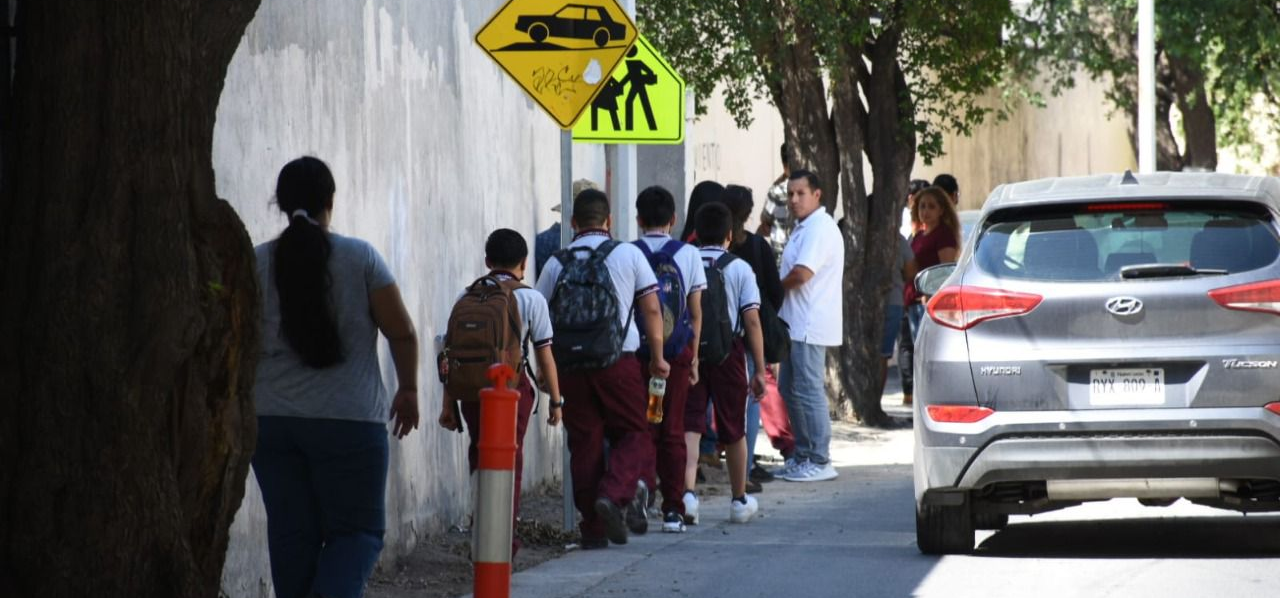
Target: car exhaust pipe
(1134,488)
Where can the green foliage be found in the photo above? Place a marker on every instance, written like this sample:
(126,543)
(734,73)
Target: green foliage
(952,52)
(1236,43)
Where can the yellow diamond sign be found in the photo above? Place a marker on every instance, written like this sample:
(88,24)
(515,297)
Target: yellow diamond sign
(559,51)
(642,102)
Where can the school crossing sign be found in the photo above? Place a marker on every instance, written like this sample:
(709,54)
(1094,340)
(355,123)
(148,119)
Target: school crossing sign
(559,51)
(641,102)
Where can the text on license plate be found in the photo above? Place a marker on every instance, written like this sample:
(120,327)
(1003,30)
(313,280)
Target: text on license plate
(1137,386)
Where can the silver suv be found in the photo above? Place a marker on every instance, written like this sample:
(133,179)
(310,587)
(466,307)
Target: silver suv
(1101,337)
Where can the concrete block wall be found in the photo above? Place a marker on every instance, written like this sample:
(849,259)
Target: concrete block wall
(432,147)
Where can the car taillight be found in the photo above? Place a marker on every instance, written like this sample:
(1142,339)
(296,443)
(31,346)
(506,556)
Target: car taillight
(962,307)
(1272,407)
(1255,296)
(957,414)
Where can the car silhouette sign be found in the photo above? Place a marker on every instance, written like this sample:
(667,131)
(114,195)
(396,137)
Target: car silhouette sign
(573,21)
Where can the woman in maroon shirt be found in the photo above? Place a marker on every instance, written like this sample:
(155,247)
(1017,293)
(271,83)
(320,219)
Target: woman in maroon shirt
(937,242)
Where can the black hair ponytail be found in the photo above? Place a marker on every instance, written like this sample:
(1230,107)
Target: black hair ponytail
(304,190)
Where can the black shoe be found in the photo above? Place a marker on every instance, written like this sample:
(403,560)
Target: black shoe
(611,515)
(753,487)
(637,515)
(760,475)
(593,543)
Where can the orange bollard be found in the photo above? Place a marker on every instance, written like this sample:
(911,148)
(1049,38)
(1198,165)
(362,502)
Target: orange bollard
(496,481)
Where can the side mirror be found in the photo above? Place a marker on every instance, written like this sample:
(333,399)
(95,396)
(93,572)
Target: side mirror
(929,280)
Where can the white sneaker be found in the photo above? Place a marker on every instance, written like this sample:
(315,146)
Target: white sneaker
(741,512)
(812,472)
(787,468)
(690,508)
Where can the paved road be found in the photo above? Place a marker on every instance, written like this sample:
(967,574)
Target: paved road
(855,537)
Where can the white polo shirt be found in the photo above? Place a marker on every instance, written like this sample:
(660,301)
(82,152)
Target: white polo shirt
(632,278)
(814,311)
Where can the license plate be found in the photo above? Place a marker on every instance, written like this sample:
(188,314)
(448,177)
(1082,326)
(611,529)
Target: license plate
(1135,386)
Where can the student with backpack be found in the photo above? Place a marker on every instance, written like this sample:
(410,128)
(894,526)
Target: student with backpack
(678,268)
(591,287)
(492,321)
(730,306)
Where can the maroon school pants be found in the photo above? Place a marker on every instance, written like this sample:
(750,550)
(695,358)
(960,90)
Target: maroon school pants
(665,454)
(471,415)
(726,385)
(605,404)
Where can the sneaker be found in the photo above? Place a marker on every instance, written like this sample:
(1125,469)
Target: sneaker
(812,472)
(754,487)
(673,523)
(690,508)
(614,529)
(637,518)
(790,466)
(740,511)
(760,475)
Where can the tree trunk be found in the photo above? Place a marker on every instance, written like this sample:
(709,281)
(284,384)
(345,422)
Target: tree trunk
(871,231)
(1198,125)
(128,305)
(801,97)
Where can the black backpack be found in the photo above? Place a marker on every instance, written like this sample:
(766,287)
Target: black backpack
(584,311)
(716,341)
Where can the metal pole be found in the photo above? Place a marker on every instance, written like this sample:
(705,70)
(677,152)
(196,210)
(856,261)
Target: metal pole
(566,234)
(623,188)
(1146,86)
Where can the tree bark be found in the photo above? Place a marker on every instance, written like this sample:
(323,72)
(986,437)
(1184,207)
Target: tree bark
(128,311)
(801,97)
(1199,128)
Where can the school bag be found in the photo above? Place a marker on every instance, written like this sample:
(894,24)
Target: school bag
(717,331)
(773,329)
(484,329)
(673,298)
(584,311)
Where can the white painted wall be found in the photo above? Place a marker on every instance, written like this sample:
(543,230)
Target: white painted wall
(432,147)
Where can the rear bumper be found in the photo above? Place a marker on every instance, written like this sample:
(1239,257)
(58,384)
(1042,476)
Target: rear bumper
(1224,444)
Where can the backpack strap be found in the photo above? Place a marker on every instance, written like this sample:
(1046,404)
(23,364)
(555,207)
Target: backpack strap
(644,248)
(724,260)
(672,247)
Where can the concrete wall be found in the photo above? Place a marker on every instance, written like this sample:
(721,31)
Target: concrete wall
(432,147)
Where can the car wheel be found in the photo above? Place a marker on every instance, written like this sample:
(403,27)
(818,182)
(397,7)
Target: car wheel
(990,520)
(944,529)
(538,32)
(601,37)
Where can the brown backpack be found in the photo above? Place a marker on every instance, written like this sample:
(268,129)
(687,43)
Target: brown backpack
(484,329)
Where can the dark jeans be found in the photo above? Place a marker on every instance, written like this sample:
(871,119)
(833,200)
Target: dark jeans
(906,354)
(324,487)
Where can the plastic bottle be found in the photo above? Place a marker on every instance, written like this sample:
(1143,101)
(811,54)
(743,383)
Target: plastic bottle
(657,388)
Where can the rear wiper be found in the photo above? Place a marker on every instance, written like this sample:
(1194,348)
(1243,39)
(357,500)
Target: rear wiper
(1167,271)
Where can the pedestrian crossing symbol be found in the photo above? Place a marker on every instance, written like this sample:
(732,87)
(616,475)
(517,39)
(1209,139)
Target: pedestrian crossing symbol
(641,102)
(559,51)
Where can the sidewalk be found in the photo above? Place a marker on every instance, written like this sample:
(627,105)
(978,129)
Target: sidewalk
(857,452)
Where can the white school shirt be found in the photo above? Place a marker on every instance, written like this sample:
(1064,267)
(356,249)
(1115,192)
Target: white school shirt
(535,318)
(688,258)
(814,311)
(632,278)
(742,294)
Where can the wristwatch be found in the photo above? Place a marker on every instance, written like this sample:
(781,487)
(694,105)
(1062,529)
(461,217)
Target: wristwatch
(555,404)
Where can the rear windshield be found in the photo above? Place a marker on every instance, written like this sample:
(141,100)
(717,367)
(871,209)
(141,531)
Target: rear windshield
(1092,242)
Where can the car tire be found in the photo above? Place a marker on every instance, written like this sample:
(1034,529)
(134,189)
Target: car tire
(944,529)
(601,37)
(538,32)
(990,520)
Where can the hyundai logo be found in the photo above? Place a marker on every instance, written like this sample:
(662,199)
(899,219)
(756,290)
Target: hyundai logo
(1124,306)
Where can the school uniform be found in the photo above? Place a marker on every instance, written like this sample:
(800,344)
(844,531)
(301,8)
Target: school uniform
(607,403)
(725,383)
(665,458)
(535,327)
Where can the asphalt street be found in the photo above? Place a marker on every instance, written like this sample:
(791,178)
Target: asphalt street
(855,536)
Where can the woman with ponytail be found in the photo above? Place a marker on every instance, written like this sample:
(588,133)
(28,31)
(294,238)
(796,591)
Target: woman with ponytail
(322,453)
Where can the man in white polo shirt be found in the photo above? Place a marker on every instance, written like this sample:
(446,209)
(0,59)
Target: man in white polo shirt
(812,276)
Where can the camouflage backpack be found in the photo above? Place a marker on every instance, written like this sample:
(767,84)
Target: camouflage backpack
(584,310)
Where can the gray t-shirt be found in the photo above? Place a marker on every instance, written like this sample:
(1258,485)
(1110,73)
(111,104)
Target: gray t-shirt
(349,390)
(904,255)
